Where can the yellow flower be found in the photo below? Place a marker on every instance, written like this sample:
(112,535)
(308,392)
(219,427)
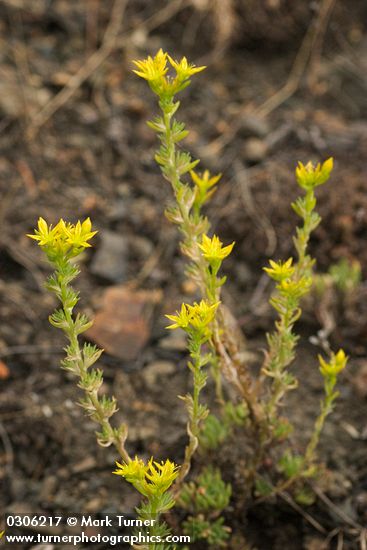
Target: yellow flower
(202,314)
(131,471)
(204,184)
(204,181)
(152,68)
(44,234)
(181,319)
(197,316)
(184,69)
(310,176)
(78,235)
(63,240)
(149,479)
(213,249)
(280,270)
(161,475)
(336,364)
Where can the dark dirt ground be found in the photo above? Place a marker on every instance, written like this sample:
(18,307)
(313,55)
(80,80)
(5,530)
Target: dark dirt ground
(91,154)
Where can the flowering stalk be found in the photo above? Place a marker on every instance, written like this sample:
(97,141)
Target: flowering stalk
(293,282)
(196,321)
(174,163)
(329,370)
(62,244)
(186,214)
(297,467)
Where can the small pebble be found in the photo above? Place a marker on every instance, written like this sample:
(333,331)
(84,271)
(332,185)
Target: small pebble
(254,150)
(157,370)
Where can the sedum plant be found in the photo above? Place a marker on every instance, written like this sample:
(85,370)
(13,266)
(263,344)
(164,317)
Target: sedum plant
(205,499)
(293,278)
(212,345)
(62,245)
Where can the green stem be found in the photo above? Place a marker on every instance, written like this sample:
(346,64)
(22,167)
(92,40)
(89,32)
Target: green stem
(80,370)
(193,426)
(326,409)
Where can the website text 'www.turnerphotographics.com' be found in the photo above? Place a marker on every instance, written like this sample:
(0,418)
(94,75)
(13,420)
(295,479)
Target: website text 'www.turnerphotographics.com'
(119,531)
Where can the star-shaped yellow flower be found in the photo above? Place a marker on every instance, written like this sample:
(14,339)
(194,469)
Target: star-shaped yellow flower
(279,271)
(213,249)
(184,69)
(152,68)
(181,319)
(79,234)
(44,234)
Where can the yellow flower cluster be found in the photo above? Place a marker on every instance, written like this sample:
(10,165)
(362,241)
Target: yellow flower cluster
(196,317)
(65,239)
(310,176)
(154,70)
(282,272)
(337,363)
(151,479)
(213,249)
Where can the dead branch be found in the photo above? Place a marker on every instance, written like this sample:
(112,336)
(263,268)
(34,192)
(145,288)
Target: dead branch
(75,81)
(311,42)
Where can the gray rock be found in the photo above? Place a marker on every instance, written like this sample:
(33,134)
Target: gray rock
(157,371)
(110,261)
(175,340)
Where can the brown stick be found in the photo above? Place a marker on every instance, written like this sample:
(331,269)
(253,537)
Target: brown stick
(75,81)
(312,39)
(305,56)
(310,519)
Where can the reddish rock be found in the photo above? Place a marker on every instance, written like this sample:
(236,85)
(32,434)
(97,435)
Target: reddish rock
(4,371)
(122,325)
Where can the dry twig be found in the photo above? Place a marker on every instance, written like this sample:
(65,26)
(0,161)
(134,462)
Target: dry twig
(304,57)
(93,62)
(311,42)
(311,520)
(336,510)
